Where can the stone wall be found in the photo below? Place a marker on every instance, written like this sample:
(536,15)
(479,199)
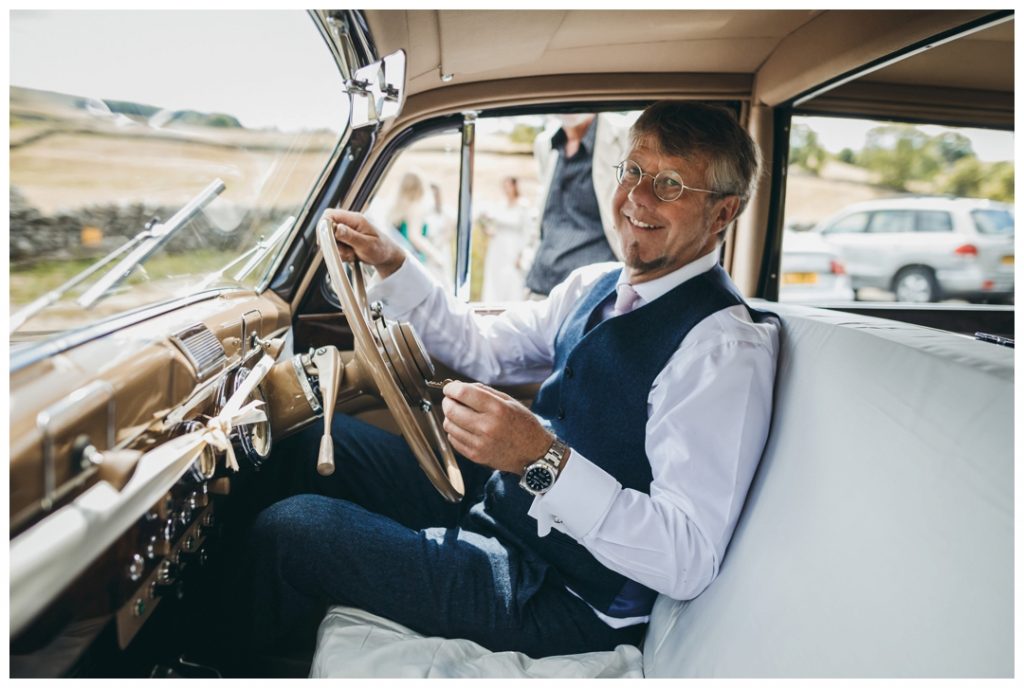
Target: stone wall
(96,230)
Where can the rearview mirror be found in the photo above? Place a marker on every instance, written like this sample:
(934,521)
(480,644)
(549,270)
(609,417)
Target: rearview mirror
(378,90)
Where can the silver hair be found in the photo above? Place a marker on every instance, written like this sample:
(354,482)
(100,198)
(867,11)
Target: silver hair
(681,129)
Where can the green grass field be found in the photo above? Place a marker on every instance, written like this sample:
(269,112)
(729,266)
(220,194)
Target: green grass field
(29,282)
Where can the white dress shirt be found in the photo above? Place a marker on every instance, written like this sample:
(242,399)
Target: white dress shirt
(708,416)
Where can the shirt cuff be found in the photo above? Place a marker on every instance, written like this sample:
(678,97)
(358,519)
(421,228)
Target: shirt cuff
(403,290)
(578,501)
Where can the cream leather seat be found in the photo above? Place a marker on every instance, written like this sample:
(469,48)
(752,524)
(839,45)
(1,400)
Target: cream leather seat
(877,538)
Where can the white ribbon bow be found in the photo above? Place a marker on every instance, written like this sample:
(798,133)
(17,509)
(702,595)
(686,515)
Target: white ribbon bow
(218,429)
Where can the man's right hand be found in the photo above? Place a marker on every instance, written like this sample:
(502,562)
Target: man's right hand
(357,238)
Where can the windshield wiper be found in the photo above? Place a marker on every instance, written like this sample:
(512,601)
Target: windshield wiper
(159,235)
(52,296)
(255,255)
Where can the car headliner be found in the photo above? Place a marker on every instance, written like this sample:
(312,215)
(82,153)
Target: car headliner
(780,53)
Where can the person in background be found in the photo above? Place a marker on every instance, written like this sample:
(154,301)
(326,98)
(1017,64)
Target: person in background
(441,233)
(504,225)
(577,167)
(408,216)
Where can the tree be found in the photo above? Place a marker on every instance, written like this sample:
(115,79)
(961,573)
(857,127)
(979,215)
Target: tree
(965,178)
(953,146)
(848,156)
(900,153)
(804,149)
(524,133)
(998,184)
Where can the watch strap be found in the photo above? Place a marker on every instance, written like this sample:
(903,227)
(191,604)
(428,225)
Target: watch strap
(556,454)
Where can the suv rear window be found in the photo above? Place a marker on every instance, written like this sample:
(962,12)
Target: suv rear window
(993,221)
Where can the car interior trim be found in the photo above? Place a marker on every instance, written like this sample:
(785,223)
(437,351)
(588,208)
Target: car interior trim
(927,43)
(744,249)
(97,396)
(464,223)
(768,281)
(920,104)
(49,555)
(540,91)
(844,41)
(307,390)
(202,349)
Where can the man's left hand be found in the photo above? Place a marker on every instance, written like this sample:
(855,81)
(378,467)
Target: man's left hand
(491,428)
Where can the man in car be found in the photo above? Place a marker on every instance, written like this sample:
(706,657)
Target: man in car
(624,479)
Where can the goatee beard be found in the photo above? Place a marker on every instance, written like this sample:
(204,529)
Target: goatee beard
(633,261)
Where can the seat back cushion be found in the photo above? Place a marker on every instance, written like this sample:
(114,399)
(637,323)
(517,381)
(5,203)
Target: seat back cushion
(877,537)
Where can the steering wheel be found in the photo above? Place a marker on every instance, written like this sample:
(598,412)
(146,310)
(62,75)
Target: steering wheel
(399,367)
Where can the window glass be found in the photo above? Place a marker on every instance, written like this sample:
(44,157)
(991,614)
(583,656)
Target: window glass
(934,221)
(858,222)
(922,192)
(993,221)
(891,221)
(120,120)
(538,214)
(417,202)
(518,211)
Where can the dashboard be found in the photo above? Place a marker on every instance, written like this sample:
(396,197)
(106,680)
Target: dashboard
(121,466)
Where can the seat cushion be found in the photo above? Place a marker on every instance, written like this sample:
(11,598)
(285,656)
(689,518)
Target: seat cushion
(355,643)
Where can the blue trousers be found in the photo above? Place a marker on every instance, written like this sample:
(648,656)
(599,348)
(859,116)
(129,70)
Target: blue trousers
(376,535)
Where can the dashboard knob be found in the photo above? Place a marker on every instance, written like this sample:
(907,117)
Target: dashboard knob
(136,568)
(185,558)
(157,547)
(170,529)
(185,515)
(168,572)
(170,588)
(201,497)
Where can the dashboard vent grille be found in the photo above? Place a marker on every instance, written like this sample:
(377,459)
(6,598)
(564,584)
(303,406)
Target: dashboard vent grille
(202,348)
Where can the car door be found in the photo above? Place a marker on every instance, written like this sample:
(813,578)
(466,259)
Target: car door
(847,234)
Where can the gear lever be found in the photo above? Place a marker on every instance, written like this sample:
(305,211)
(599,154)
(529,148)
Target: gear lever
(328,364)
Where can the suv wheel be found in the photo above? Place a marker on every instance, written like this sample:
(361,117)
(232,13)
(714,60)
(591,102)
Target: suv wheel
(916,285)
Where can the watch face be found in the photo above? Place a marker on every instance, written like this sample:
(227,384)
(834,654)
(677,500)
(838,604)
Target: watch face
(538,478)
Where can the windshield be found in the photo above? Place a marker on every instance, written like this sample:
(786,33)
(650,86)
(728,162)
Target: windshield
(157,155)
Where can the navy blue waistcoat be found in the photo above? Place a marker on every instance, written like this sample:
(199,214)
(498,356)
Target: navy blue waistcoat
(596,401)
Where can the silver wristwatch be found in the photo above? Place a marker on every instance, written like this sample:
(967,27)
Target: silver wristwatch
(540,475)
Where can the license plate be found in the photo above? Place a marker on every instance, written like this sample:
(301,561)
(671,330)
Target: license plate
(1007,260)
(799,278)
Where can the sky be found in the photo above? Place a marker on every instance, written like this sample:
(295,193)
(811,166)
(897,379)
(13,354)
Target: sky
(195,67)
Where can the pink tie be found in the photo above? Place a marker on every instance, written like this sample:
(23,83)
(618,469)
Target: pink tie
(625,300)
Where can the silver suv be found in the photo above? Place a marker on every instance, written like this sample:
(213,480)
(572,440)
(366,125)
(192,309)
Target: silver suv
(923,248)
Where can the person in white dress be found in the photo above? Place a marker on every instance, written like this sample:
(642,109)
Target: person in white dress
(506,228)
